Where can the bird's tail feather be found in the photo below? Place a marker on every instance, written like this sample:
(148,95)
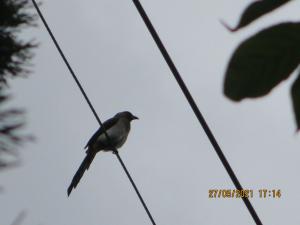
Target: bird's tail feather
(84,166)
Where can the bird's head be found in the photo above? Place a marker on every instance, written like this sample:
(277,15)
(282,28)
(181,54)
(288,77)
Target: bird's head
(127,115)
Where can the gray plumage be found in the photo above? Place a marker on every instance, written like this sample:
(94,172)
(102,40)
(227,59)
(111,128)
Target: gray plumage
(117,128)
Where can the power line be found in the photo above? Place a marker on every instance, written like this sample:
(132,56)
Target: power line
(115,151)
(194,107)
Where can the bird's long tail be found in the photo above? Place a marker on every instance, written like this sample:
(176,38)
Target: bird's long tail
(84,166)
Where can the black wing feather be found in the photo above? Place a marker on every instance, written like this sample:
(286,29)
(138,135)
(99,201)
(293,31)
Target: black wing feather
(106,125)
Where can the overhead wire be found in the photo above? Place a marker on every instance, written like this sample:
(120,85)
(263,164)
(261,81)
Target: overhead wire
(115,151)
(194,107)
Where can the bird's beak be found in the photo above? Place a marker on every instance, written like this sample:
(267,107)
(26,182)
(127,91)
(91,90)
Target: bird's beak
(134,118)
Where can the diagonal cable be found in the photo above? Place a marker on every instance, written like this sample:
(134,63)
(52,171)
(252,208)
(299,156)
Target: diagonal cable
(115,151)
(194,107)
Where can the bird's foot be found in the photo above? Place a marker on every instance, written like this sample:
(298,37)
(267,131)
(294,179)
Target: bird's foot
(115,151)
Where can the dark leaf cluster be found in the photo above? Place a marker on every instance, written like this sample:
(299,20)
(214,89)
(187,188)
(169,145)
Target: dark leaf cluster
(265,59)
(14,13)
(10,122)
(15,54)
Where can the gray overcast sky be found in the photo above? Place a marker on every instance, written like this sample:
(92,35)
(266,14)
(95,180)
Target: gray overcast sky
(167,152)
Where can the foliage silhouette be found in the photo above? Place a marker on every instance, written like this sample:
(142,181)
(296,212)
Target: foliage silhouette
(14,62)
(295,92)
(255,10)
(264,60)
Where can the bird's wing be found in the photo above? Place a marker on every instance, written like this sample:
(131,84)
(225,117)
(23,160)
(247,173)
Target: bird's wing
(106,125)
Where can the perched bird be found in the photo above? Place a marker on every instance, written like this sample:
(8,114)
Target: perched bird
(117,129)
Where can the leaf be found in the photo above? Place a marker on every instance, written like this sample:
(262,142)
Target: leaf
(295,92)
(263,61)
(256,10)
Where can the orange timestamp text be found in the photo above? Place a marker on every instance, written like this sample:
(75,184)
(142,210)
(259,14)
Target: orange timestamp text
(244,193)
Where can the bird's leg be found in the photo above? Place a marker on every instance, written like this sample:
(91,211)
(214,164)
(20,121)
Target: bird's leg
(115,151)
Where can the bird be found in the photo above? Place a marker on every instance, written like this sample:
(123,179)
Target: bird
(117,128)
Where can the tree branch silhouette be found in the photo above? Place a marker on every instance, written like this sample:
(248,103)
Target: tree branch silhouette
(15,55)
